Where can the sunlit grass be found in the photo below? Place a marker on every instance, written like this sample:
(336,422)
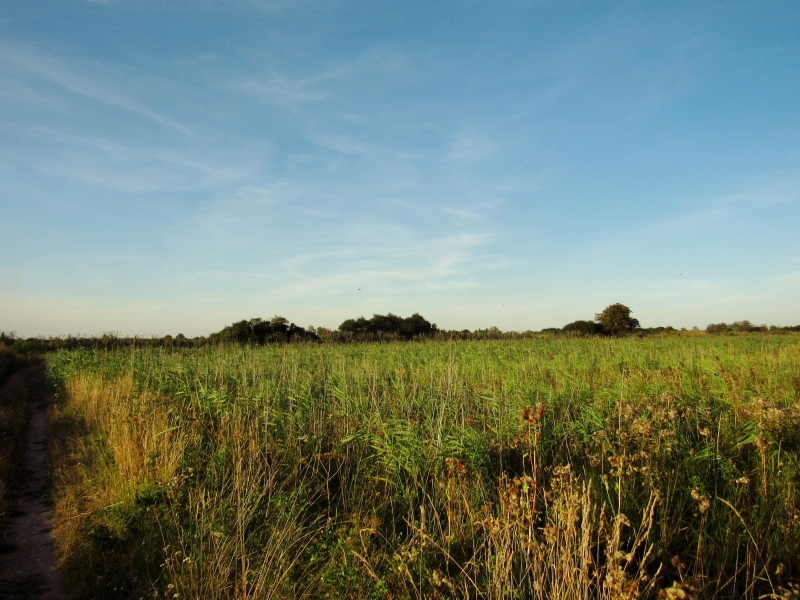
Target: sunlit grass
(544,468)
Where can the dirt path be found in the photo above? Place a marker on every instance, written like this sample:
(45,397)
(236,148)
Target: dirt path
(28,568)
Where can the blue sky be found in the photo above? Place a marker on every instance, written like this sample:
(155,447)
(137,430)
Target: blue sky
(516,164)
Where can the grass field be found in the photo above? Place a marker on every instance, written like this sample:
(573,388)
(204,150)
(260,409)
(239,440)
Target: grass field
(663,467)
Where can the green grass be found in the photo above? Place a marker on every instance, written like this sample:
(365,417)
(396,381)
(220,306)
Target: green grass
(546,468)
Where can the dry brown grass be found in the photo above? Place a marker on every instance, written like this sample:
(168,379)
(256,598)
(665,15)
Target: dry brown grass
(109,443)
(112,444)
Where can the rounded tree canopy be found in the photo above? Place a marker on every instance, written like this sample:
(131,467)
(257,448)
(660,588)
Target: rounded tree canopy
(616,319)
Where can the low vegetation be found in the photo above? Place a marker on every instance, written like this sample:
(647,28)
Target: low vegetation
(555,467)
(13,425)
(615,320)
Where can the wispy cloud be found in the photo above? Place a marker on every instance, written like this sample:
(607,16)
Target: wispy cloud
(785,281)
(280,91)
(329,84)
(58,73)
(393,265)
(463,214)
(315,247)
(683,224)
(471,148)
(765,189)
(100,161)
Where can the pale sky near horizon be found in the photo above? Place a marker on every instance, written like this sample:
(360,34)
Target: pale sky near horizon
(516,164)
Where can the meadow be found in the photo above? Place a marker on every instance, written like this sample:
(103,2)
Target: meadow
(553,467)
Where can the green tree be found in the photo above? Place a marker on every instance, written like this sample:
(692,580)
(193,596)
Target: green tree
(389,325)
(584,328)
(616,319)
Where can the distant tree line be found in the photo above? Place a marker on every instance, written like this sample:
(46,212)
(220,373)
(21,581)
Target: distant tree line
(415,326)
(747,327)
(259,331)
(254,331)
(614,320)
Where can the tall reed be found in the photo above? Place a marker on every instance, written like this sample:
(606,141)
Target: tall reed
(545,468)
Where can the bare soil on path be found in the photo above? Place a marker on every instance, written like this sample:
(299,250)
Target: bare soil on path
(28,568)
